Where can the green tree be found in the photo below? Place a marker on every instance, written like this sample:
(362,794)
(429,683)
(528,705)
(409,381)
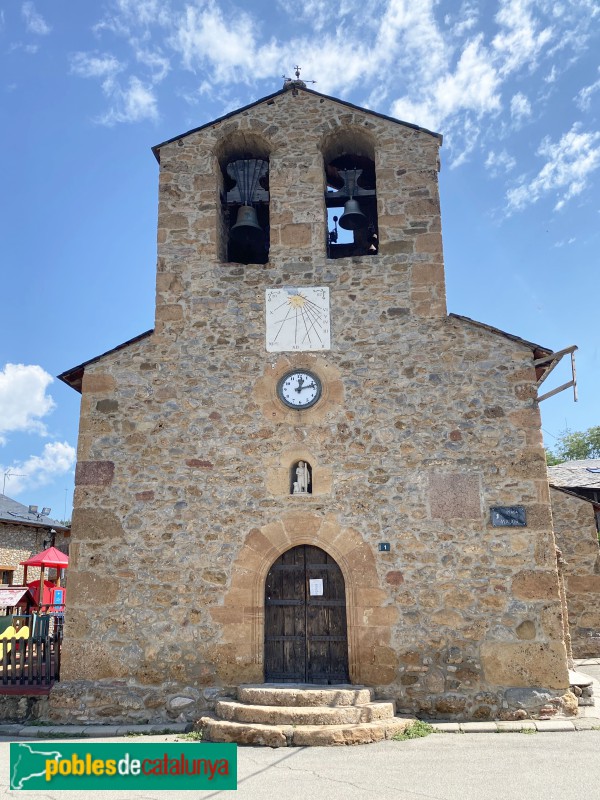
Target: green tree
(574,446)
(551,459)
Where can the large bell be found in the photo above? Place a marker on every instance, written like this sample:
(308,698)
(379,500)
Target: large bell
(353,219)
(246,229)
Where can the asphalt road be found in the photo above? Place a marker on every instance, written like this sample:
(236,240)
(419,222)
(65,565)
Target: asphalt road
(506,766)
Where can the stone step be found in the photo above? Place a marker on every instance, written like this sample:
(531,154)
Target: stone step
(303,715)
(579,678)
(301,694)
(217,730)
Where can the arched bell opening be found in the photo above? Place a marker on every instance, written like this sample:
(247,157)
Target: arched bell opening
(301,481)
(306,639)
(244,166)
(350,196)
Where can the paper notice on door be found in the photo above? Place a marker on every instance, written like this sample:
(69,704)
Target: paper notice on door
(315,586)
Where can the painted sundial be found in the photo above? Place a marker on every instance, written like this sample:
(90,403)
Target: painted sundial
(297,319)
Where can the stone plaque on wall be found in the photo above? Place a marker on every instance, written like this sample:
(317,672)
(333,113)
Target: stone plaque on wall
(454,496)
(508,516)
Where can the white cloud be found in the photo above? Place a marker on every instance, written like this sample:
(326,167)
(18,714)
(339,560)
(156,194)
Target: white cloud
(57,459)
(23,399)
(575,21)
(229,48)
(499,163)
(317,12)
(135,103)
(158,64)
(145,12)
(520,40)
(569,163)
(520,107)
(408,35)
(446,73)
(583,97)
(473,86)
(30,49)
(464,20)
(34,22)
(203,37)
(103,66)
(470,133)
(454,95)
(128,16)
(89,65)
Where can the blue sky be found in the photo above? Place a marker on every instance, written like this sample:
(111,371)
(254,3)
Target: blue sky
(87,88)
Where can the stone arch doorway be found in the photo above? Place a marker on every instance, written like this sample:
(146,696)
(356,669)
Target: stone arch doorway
(306,638)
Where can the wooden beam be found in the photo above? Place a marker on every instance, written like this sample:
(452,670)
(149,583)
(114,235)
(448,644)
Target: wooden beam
(559,354)
(556,391)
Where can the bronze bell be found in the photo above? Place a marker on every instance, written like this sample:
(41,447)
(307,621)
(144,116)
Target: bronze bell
(246,229)
(353,219)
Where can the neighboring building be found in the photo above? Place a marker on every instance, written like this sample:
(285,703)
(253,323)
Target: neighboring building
(575,495)
(23,534)
(308,470)
(581,478)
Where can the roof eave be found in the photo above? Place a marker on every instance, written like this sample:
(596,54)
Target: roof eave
(74,377)
(569,490)
(31,524)
(536,348)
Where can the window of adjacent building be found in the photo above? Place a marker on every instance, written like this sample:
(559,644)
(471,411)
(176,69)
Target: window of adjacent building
(6,575)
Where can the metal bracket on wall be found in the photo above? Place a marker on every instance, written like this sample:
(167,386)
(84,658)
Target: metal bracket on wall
(551,361)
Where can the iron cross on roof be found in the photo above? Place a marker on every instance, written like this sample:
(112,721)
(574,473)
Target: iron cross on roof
(295,83)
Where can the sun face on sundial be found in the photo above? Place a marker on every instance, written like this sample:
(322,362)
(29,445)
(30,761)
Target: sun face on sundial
(297,319)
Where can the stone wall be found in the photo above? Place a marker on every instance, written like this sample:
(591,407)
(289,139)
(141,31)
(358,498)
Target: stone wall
(14,708)
(182,500)
(20,542)
(577,538)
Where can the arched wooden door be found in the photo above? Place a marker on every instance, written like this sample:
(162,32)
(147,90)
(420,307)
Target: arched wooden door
(306,639)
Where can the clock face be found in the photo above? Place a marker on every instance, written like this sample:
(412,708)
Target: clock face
(297,319)
(299,389)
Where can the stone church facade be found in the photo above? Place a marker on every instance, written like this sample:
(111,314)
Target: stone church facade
(201,557)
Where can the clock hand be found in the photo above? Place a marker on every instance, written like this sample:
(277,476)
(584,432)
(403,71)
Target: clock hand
(308,386)
(300,382)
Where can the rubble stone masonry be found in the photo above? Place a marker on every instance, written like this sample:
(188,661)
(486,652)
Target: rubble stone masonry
(577,538)
(18,543)
(426,420)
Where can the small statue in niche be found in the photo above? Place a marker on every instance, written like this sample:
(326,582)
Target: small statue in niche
(302,482)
